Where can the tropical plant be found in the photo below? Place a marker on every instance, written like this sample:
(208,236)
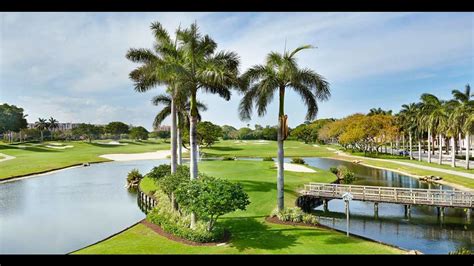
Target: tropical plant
(151,73)
(41,125)
(408,118)
(170,182)
(52,125)
(435,119)
(134,177)
(279,73)
(159,171)
(463,109)
(139,133)
(182,110)
(297,160)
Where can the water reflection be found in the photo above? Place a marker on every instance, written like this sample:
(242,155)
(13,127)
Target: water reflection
(67,210)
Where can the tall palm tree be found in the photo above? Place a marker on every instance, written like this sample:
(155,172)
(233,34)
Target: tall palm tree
(435,116)
(463,107)
(41,125)
(408,118)
(150,74)
(182,114)
(279,73)
(52,124)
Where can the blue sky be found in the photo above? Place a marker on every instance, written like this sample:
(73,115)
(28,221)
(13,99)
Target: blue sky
(72,66)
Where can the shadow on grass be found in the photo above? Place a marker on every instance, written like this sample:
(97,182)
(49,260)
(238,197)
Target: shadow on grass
(257,186)
(28,148)
(224,149)
(250,233)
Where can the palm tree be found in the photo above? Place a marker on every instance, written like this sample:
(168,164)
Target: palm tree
(435,116)
(463,107)
(150,73)
(408,117)
(281,72)
(41,125)
(182,114)
(379,111)
(52,124)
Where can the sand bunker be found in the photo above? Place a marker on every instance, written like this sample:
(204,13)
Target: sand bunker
(296,168)
(4,157)
(59,147)
(138,156)
(112,143)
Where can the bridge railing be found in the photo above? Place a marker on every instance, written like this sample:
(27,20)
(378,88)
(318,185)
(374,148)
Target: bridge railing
(415,196)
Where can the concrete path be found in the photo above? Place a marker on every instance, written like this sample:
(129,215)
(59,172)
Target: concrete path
(7,157)
(452,172)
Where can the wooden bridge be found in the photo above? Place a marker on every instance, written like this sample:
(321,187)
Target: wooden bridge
(406,196)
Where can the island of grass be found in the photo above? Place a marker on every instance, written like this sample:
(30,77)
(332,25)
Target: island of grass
(250,233)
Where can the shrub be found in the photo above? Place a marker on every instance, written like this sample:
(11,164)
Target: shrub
(159,171)
(267,159)
(298,160)
(134,176)
(333,170)
(461,251)
(179,225)
(209,198)
(170,182)
(295,215)
(228,158)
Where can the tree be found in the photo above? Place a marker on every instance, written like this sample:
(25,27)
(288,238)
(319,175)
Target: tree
(12,119)
(229,132)
(435,117)
(182,110)
(463,107)
(117,128)
(279,73)
(170,182)
(41,125)
(52,124)
(409,123)
(139,133)
(211,198)
(208,133)
(379,111)
(87,130)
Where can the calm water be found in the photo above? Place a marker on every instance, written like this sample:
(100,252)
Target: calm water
(67,210)
(423,230)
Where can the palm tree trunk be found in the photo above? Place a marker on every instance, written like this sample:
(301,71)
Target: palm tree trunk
(429,146)
(459,142)
(281,156)
(467,150)
(193,147)
(453,152)
(440,148)
(41,135)
(419,150)
(173,136)
(180,147)
(410,140)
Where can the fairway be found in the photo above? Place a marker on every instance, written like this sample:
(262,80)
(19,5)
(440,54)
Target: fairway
(250,233)
(38,157)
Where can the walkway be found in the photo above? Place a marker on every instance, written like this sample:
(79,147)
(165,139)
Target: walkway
(447,171)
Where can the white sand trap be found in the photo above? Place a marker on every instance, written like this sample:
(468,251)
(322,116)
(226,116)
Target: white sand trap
(296,168)
(4,157)
(56,144)
(315,145)
(137,156)
(112,143)
(331,149)
(59,147)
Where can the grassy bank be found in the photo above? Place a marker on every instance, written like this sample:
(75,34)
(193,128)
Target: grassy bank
(38,157)
(250,233)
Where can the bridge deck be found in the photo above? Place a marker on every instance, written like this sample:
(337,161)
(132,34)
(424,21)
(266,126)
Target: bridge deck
(407,196)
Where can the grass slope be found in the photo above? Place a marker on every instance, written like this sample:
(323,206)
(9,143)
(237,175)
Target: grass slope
(33,158)
(250,233)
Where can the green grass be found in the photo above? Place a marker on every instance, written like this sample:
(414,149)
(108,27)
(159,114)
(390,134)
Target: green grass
(254,148)
(37,158)
(250,233)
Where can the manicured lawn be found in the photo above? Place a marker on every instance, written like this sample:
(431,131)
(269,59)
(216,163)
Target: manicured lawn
(33,158)
(256,148)
(250,233)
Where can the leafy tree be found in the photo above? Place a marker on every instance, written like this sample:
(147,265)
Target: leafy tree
(159,171)
(87,130)
(170,182)
(228,132)
(117,128)
(139,133)
(211,198)
(279,73)
(270,133)
(12,119)
(208,133)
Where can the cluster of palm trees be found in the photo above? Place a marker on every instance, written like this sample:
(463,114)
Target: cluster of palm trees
(46,124)
(433,118)
(190,63)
